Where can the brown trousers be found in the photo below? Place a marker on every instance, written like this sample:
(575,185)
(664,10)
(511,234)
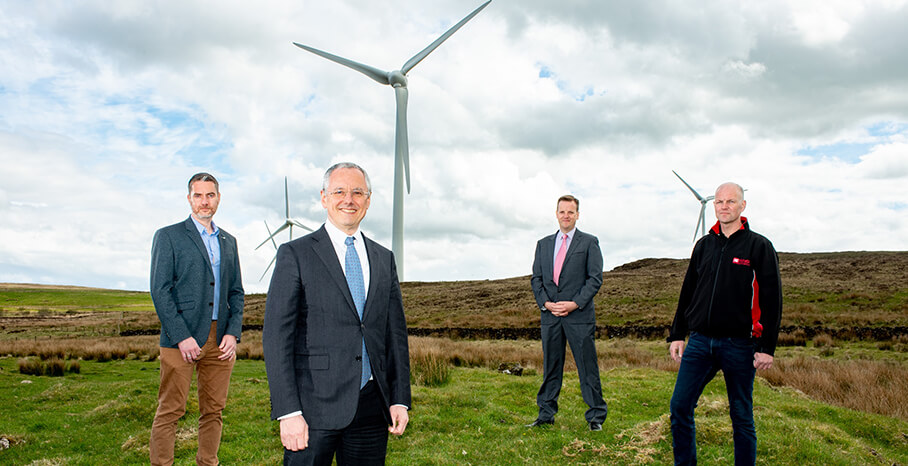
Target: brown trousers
(176,377)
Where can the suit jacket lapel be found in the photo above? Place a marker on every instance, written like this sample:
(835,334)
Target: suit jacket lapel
(373,275)
(325,251)
(575,243)
(222,242)
(548,257)
(196,238)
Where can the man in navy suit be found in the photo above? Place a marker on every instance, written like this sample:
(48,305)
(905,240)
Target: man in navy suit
(567,274)
(198,294)
(335,338)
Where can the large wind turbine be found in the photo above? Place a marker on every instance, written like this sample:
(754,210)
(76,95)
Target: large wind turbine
(398,80)
(288,223)
(701,222)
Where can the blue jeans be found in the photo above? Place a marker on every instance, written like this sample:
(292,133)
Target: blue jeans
(702,358)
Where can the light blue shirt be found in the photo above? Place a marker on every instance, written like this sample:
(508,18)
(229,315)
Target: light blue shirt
(214,257)
(559,237)
(340,248)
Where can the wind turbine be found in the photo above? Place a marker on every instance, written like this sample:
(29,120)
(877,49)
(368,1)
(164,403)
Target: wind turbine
(398,80)
(288,223)
(701,222)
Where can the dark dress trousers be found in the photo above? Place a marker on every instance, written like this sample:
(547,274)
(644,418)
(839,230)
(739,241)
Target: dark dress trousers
(182,285)
(313,335)
(580,279)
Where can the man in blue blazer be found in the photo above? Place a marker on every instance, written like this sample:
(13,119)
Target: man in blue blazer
(335,337)
(198,294)
(567,274)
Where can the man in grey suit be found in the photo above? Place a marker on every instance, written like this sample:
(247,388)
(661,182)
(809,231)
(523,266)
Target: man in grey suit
(198,294)
(567,274)
(335,338)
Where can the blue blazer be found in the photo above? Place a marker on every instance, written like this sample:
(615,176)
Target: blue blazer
(581,277)
(313,335)
(182,285)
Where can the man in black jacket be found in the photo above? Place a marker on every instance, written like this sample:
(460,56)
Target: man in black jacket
(731,304)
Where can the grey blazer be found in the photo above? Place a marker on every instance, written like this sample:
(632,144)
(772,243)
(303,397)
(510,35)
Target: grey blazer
(581,277)
(182,285)
(313,335)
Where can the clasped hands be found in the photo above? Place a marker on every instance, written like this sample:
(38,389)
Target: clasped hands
(561,308)
(190,350)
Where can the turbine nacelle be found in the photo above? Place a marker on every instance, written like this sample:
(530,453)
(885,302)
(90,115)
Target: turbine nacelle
(701,221)
(397,79)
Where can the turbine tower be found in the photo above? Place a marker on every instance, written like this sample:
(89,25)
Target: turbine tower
(398,80)
(288,223)
(701,222)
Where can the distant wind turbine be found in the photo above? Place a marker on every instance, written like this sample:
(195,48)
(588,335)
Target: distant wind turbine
(701,222)
(288,223)
(398,80)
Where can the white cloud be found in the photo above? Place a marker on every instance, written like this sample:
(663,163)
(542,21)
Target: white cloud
(109,108)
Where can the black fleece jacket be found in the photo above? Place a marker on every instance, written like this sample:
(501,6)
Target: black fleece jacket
(732,289)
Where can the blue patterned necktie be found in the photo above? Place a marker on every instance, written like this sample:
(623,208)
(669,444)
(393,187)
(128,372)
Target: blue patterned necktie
(358,290)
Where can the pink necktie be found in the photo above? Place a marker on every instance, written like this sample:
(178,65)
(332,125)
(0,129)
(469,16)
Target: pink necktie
(559,258)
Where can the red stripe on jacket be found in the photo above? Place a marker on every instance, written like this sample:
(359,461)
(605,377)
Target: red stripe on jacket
(757,327)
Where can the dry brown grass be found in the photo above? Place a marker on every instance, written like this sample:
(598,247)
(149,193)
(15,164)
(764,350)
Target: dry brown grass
(873,386)
(52,367)
(144,347)
(823,339)
(100,349)
(429,367)
(796,338)
(491,353)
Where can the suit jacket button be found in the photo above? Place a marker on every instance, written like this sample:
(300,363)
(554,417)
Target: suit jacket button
(211,304)
(359,358)
(212,283)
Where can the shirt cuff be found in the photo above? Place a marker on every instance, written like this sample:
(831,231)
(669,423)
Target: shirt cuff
(405,406)
(287,416)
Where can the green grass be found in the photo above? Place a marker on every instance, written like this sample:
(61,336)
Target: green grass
(74,299)
(103,416)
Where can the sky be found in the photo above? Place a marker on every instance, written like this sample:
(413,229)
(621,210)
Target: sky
(108,107)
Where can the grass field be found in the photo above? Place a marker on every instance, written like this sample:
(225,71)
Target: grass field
(832,398)
(31,299)
(103,416)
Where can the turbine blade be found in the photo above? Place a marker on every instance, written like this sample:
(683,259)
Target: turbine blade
(304,227)
(697,195)
(286,200)
(269,267)
(282,228)
(269,233)
(291,229)
(701,220)
(401,141)
(378,75)
(426,51)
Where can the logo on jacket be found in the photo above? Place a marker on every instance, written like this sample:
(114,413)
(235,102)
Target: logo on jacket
(740,261)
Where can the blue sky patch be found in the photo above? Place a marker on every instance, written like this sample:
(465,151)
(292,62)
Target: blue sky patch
(895,205)
(846,151)
(880,133)
(887,129)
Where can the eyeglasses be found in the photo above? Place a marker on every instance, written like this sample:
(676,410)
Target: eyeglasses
(358,194)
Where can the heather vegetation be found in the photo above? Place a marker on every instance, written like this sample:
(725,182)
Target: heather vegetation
(80,368)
